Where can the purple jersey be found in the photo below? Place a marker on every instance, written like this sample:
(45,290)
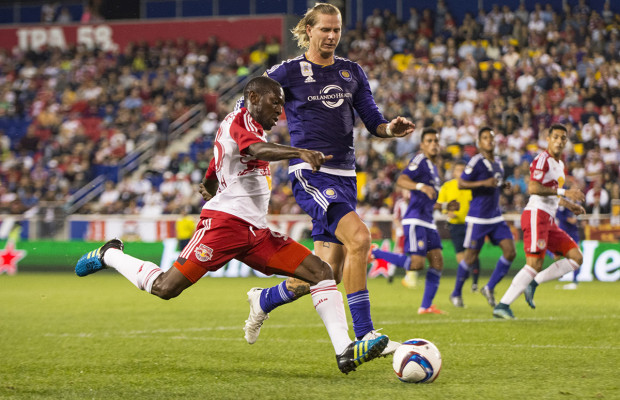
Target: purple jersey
(484,206)
(321,104)
(421,169)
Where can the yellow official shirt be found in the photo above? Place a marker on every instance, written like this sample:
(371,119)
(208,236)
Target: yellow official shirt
(185,227)
(450,191)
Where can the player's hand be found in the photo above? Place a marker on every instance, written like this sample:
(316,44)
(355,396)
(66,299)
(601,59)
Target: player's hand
(401,127)
(577,209)
(575,195)
(454,205)
(204,193)
(429,191)
(314,158)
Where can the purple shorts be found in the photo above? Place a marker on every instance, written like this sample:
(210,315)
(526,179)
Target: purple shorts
(419,239)
(318,192)
(475,234)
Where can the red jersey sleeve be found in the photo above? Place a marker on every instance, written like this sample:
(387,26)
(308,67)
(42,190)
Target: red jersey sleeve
(210,174)
(539,167)
(246,131)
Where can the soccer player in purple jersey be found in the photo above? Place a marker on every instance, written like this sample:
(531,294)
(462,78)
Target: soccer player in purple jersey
(323,95)
(422,241)
(484,175)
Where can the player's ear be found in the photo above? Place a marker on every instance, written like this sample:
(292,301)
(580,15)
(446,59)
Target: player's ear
(253,97)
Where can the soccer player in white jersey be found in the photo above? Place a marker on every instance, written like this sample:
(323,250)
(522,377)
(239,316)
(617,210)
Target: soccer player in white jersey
(540,231)
(233,225)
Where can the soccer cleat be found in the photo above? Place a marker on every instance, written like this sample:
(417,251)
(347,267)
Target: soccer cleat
(359,352)
(457,301)
(256,318)
(389,349)
(489,295)
(529,294)
(410,281)
(503,311)
(474,287)
(430,310)
(92,261)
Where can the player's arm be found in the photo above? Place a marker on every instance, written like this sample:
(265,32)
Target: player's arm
(489,182)
(398,127)
(574,207)
(275,152)
(405,182)
(442,201)
(537,188)
(208,186)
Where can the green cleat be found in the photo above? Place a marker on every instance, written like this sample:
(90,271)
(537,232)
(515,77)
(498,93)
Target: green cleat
(503,311)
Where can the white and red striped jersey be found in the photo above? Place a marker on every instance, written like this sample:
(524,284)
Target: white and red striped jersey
(550,173)
(244,181)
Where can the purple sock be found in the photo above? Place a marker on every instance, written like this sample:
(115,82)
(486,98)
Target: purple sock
(400,260)
(275,296)
(462,273)
(431,286)
(359,305)
(501,269)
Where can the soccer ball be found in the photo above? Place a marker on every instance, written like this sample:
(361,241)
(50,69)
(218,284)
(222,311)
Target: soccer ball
(417,361)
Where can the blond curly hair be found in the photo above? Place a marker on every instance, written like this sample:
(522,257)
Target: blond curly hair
(311,18)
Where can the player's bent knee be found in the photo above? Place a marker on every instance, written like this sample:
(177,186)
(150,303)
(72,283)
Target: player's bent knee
(578,259)
(165,290)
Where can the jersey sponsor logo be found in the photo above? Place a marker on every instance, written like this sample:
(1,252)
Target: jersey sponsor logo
(541,243)
(332,96)
(345,74)
(306,70)
(537,175)
(203,252)
(330,193)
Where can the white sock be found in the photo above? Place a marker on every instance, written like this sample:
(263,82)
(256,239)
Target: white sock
(141,273)
(518,284)
(328,303)
(556,270)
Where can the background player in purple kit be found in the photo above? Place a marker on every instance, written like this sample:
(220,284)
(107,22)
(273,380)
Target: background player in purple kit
(323,95)
(484,175)
(422,241)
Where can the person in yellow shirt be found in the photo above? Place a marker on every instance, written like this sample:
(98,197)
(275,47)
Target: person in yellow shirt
(185,227)
(456,222)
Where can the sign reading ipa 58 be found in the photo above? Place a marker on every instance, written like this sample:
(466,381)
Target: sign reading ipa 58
(99,36)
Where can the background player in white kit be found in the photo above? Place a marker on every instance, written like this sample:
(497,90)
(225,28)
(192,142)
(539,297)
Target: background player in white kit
(540,232)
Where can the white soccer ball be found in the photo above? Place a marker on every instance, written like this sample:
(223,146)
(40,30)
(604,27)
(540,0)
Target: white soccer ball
(417,361)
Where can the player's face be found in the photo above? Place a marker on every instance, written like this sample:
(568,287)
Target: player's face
(487,141)
(268,108)
(325,34)
(458,171)
(430,145)
(556,142)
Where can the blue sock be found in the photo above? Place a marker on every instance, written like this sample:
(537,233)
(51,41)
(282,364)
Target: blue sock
(431,286)
(400,260)
(359,305)
(462,273)
(575,273)
(275,296)
(501,269)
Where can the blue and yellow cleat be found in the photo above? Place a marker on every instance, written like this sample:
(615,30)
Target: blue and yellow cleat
(92,261)
(359,352)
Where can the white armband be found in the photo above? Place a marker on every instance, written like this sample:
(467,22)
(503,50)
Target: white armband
(444,206)
(419,186)
(561,191)
(388,131)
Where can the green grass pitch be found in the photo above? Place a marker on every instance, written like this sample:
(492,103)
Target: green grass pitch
(65,337)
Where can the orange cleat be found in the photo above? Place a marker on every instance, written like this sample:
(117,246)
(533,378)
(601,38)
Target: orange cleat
(431,310)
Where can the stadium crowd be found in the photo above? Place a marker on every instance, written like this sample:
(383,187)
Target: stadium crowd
(66,116)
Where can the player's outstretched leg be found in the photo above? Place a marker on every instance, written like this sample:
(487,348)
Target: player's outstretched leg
(359,352)
(256,318)
(92,261)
